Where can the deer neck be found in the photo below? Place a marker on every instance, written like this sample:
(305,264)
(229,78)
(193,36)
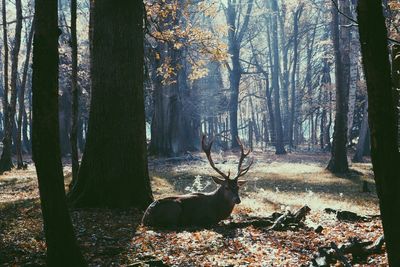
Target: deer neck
(224,206)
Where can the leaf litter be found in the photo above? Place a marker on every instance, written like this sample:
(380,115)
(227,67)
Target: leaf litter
(275,184)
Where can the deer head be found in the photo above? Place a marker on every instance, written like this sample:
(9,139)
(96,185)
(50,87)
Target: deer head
(229,187)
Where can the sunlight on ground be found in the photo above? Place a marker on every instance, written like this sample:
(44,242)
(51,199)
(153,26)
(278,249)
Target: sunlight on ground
(278,185)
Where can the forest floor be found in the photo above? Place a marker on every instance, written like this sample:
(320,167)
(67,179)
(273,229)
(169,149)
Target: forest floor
(275,184)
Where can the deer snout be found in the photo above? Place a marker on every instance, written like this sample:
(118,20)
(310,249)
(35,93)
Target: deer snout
(237,200)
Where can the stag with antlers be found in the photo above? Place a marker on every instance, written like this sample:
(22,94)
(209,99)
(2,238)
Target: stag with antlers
(200,209)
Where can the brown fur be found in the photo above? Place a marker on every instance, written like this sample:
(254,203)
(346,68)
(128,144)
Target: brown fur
(196,209)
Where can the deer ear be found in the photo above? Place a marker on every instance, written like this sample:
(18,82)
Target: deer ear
(241,182)
(217,180)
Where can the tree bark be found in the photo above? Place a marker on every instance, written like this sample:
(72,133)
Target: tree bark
(284,45)
(338,162)
(114,170)
(75,96)
(396,83)
(326,85)
(169,123)
(235,38)
(21,99)
(174,126)
(358,156)
(5,160)
(27,146)
(354,55)
(382,120)
(280,146)
(62,248)
(296,18)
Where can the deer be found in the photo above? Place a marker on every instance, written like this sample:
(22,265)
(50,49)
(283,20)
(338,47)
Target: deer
(200,209)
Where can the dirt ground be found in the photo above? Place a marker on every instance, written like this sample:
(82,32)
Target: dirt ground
(275,183)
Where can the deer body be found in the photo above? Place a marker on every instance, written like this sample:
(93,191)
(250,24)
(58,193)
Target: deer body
(199,209)
(188,210)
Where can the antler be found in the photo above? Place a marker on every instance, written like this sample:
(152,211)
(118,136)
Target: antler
(207,150)
(243,155)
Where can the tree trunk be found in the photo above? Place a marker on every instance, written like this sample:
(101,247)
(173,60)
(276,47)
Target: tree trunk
(382,120)
(280,147)
(396,83)
(6,161)
(174,127)
(65,122)
(234,80)
(338,162)
(168,125)
(114,170)
(21,99)
(354,55)
(62,248)
(27,146)
(235,37)
(75,96)
(284,74)
(296,18)
(358,156)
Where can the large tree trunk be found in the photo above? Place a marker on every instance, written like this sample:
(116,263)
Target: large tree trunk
(338,162)
(62,248)
(114,171)
(396,83)
(21,99)
(382,120)
(280,147)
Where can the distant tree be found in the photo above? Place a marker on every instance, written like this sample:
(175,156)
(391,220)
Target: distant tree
(363,136)
(75,95)
(114,171)
(171,130)
(382,102)
(280,146)
(5,160)
(21,99)
(181,48)
(236,32)
(296,18)
(338,162)
(62,248)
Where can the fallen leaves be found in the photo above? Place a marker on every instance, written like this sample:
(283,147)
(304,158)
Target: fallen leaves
(114,237)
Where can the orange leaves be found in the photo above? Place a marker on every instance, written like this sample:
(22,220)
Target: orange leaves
(394,5)
(178,26)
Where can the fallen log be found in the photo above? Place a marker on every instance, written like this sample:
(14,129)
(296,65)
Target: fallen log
(277,221)
(349,216)
(359,250)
